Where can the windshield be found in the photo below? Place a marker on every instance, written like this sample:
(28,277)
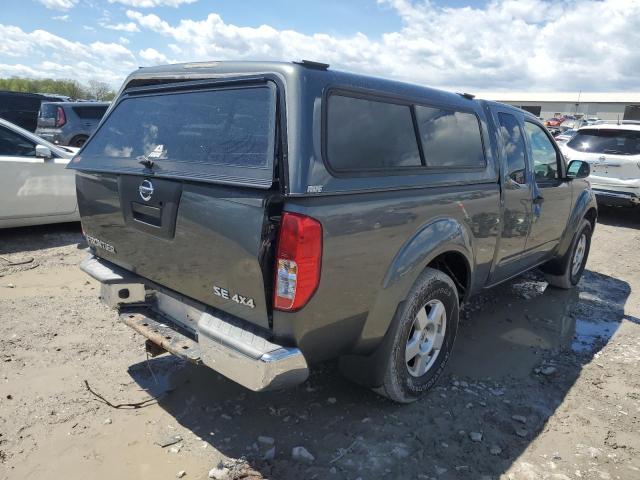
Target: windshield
(227,132)
(612,141)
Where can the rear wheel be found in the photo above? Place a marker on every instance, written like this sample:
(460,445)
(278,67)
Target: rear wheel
(78,141)
(424,338)
(576,261)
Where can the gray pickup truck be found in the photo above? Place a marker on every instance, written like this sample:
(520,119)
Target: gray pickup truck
(262,217)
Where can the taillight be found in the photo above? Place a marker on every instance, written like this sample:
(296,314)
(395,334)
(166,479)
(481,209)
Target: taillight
(298,261)
(61,118)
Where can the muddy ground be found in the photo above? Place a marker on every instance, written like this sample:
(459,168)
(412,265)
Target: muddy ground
(548,381)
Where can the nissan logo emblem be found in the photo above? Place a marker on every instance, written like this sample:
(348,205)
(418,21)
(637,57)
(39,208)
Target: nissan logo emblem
(146,190)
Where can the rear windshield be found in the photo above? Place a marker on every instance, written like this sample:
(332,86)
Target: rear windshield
(609,140)
(217,135)
(92,112)
(48,110)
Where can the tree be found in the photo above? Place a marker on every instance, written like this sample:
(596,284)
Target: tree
(100,91)
(95,90)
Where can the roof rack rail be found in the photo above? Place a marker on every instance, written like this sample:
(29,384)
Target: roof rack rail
(468,96)
(312,64)
(616,122)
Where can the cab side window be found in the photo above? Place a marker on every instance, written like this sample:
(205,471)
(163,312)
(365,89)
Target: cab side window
(513,145)
(544,155)
(14,145)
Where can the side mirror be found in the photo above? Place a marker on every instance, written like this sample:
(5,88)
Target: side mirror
(578,169)
(43,152)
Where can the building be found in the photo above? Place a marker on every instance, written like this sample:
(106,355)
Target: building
(606,106)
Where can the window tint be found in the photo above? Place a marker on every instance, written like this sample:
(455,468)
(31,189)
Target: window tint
(14,145)
(606,140)
(90,112)
(545,159)
(366,134)
(513,147)
(450,139)
(231,127)
(48,110)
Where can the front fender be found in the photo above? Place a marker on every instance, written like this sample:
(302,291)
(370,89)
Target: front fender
(585,200)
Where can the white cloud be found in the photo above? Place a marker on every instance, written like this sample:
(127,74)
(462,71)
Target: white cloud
(503,45)
(152,3)
(124,40)
(61,18)
(152,57)
(58,4)
(40,53)
(123,27)
(507,44)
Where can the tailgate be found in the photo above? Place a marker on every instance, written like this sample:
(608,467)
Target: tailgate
(176,186)
(205,241)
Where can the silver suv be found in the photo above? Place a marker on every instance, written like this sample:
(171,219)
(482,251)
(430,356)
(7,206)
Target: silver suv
(69,123)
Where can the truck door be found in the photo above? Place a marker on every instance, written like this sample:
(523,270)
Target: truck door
(516,196)
(552,194)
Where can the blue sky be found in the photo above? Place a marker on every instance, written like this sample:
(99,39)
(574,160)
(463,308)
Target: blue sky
(475,45)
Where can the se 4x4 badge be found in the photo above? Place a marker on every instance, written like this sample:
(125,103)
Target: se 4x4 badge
(239,299)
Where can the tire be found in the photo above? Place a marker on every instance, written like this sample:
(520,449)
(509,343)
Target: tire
(406,378)
(78,141)
(579,252)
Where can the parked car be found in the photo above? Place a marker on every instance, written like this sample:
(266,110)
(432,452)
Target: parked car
(69,123)
(35,187)
(613,150)
(261,217)
(22,109)
(565,136)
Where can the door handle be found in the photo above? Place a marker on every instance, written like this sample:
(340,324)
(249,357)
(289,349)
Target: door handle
(538,199)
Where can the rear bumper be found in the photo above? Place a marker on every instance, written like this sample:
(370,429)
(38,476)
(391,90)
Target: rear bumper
(51,135)
(190,330)
(613,197)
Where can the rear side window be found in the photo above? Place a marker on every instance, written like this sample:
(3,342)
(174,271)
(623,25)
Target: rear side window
(90,112)
(225,134)
(606,140)
(365,134)
(513,147)
(450,139)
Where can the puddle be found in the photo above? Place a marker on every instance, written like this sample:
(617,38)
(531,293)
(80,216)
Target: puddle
(588,334)
(505,332)
(529,289)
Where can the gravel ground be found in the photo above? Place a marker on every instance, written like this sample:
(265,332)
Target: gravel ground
(543,384)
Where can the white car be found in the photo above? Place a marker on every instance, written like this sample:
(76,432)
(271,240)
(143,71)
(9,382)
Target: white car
(613,150)
(35,187)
